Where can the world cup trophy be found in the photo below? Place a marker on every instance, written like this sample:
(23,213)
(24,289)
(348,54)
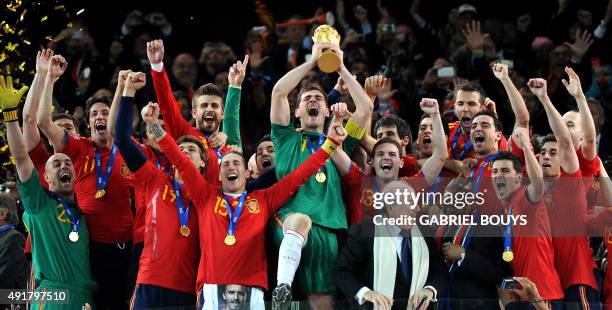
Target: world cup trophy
(328,61)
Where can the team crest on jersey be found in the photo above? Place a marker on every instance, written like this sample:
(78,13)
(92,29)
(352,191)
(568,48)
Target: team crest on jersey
(125,171)
(252,205)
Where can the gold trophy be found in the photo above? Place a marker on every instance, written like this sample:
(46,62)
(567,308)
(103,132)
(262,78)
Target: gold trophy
(328,61)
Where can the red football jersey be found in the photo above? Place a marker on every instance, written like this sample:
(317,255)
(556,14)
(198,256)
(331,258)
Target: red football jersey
(168,258)
(110,218)
(532,246)
(140,195)
(410,166)
(567,211)
(243,263)
(461,142)
(177,126)
(589,168)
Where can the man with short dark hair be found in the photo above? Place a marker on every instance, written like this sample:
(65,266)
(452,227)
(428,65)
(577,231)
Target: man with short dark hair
(319,201)
(565,198)
(529,246)
(207,106)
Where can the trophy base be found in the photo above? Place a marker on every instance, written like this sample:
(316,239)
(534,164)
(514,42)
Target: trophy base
(328,62)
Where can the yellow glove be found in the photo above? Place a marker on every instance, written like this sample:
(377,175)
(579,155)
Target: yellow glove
(9,98)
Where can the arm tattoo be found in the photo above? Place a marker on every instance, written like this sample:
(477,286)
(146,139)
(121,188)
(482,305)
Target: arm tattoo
(157,130)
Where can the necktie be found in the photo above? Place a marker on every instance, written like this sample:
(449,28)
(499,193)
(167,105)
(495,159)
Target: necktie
(406,256)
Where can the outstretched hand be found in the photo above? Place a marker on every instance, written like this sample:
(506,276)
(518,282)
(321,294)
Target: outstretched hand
(57,66)
(9,98)
(42,60)
(375,84)
(429,106)
(501,72)
(573,86)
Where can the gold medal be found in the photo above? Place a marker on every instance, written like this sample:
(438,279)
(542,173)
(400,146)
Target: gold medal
(508,256)
(100,193)
(320,177)
(185,231)
(230,240)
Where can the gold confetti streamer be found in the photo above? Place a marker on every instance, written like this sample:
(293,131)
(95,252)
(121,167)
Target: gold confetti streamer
(80,12)
(11,46)
(44,18)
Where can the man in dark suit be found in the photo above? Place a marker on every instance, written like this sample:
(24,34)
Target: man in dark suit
(356,271)
(473,256)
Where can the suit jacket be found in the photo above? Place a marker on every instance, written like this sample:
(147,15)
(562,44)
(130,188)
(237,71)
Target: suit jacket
(474,283)
(14,268)
(354,267)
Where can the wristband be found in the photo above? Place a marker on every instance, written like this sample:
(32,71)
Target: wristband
(10,115)
(353,130)
(330,146)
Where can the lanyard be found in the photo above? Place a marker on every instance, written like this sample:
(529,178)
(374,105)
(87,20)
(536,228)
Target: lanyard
(103,179)
(312,148)
(508,233)
(435,187)
(182,212)
(75,218)
(466,146)
(483,165)
(234,216)
(6,227)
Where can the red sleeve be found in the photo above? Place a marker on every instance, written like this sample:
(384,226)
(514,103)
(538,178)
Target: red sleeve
(598,224)
(352,185)
(212,167)
(176,125)
(39,157)
(194,182)
(410,166)
(589,168)
(280,192)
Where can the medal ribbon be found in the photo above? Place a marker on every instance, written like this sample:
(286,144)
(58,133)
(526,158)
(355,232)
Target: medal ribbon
(508,232)
(166,169)
(313,150)
(6,227)
(182,212)
(75,218)
(466,146)
(234,216)
(103,179)
(483,165)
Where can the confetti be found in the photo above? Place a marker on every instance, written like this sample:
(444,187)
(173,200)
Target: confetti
(80,12)
(11,47)
(26,42)
(44,18)
(3,149)
(59,7)
(22,15)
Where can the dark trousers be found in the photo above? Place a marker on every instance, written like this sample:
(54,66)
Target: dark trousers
(582,297)
(153,296)
(109,266)
(134,266)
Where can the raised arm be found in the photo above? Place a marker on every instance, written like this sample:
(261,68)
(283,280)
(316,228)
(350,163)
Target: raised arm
(132,154)
(433,165)
(231,114)
(112,116)
(194,182)
(517,103)
(30,129)
(175,123)
(55,133)
(9,102)
(567,153)
(535,190)
(280,113)
(589,135)
(341,160)
(363,102)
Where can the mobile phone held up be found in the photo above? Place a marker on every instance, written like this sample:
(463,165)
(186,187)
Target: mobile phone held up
(509,284)
(446,72)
